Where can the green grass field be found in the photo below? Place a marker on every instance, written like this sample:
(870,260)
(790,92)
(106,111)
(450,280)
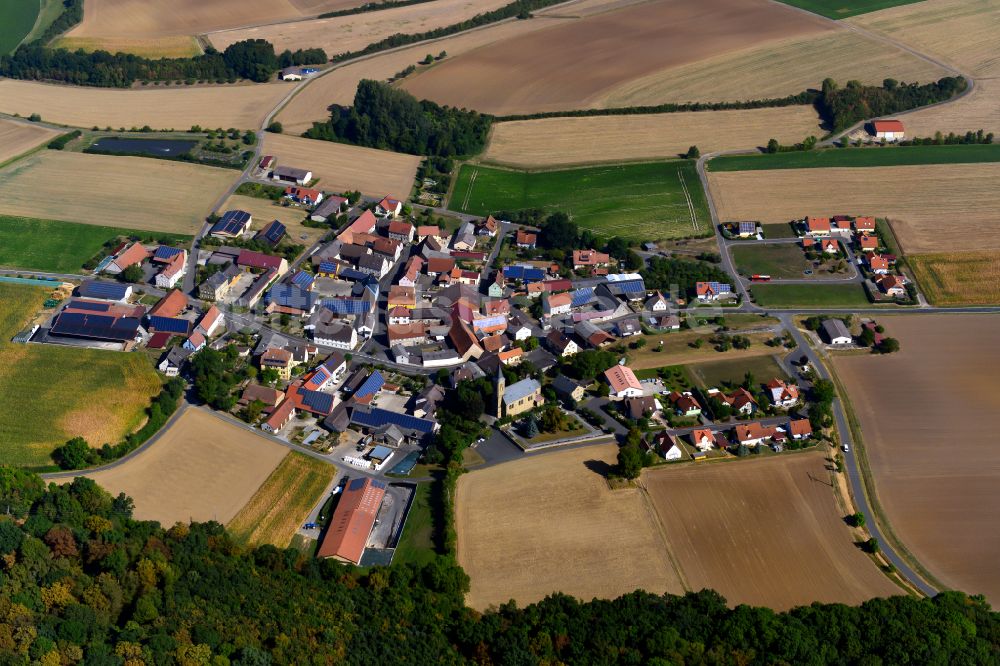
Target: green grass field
(810,295)
(59,247)
(779,230)
(416,545)
(648,201)
(716,374)
(52,394)
(838,9)
(780,261)
(17,18)
(859,157)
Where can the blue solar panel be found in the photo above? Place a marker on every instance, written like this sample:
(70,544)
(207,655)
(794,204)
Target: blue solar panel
(303,279)
(346,306)
(376,418)
(273,232)
(319,402)
(165,252)
(232,222)
(109,290)
(103,327)
(89,305)
(169,324)
(373,384)
(290,296)
(582,296)
(328,267)
(632,286)
(523,273)
(353,274)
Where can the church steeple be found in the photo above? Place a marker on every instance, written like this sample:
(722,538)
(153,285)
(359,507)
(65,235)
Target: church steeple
(500,384)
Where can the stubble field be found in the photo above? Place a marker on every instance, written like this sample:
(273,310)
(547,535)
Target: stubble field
(344,34)
(929,415)
(128,192)
(18,137)
(202,468)
(764,532)
(575,62)
(172,46)
(52,394)
(565,141)
(341,167)
(161,107)
(958,278)
(283,502)
(923,202)
(550,524)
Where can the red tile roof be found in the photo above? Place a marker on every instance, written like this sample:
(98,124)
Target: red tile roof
(170,305)
(352,522)
(888,126)
(621,377)
(818,223)
(134,254)
(252,259)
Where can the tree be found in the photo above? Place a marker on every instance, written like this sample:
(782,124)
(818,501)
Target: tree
(773,146)
(630,461)
(74,454)
(693,153)
(531,427)
(823,391)
(275,127)
(558,231)
(252,59)
(867,337)
(888,346)
(857,519)
(250,137)
(132,274)
(554,420)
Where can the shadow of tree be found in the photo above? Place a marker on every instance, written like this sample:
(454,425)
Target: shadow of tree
(599,467)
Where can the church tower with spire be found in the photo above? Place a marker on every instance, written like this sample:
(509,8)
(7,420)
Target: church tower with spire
(500,385)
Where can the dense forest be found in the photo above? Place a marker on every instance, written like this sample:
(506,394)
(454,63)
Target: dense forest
(82,582)
(842,107)
(252,59)
(391,119)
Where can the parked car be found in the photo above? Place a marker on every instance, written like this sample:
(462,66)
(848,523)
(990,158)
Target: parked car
(846,448)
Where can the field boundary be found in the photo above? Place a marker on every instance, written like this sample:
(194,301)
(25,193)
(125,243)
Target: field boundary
(869,487)
(661,530)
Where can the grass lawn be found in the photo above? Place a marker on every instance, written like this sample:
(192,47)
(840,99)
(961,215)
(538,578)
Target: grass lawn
(416,545)
(60,247)
(716,374)
(677,349)
(17,18)
(784,260)
(845,8)
(674,377)
(52,394)
(958,278)
(637,201)
(810,295)
(275,512)
(781,230)
(859,157)
(739,322)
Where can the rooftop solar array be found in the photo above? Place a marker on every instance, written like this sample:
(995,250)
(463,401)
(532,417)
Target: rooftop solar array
(170,324)
(273,232)
(373,384)
(582,296)
(100,289)
(232,222)
(96,326)
(165,252)
(523,273)
(88,305)
(291,296)
(376,418)
(352,274)
(319,377)
(320,402)
(303,279)
(347,306)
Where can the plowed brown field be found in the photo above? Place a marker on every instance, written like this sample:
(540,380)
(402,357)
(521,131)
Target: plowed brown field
(564,141)
(160,107)
(549,524)
(929,415)
(20,137)
(341,167)
(925,203)
(763,532)
(202,468)
(576,61)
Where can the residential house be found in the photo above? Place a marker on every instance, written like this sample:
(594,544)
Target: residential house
(303,195)
(703,439)
(440,265)
(878,264)
(868,243)
(864,225)
(657,303)
(830,246)
(232,224)
(364,224)
(425,231)
(332,332)
(173,361)
(526,239)
(401,231)
(590,259)
(171,305)
(568,389)
(388,207)
(783,394)
(488,227)
(641,407)
(280,417)
(400,296)
(556,304)
(258,261)
(195,342)
(740,400)
(626,328)
(666,445)
(399,315)
(172,272)
(330,208)
(712,291)
(684,404)
(374,264)
(799,429)
(512,356)
(892,285)
(623,382)
(497,285)
(271,397)
(210,321)
(753,433)
(588,332)
(217,286)
(278,359)
(818,226)
(746,229)
(414,333)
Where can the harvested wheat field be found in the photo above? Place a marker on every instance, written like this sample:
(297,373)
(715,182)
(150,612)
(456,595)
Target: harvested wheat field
(161,107)
(341,167)
(764,532)
(20,137)
(937,476)
(576,62)
(549,523)
(129,192)
(775,69)
(139,19)
(960,32)
(174,46)
(283,502)
(338,85)
(344,34)
(564,141)
(202,468)
(979,110)
(923,201)
(958,278)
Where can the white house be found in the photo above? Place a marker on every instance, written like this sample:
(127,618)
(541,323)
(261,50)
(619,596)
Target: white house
(657,303)
(388,207)
(557,304)
(623,382)
(889,130)
(703,439)
(783,394)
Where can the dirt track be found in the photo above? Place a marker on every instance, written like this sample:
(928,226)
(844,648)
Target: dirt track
(929,416)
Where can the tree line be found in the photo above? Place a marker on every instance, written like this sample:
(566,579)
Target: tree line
(391,119)
(82,581)
(842,107)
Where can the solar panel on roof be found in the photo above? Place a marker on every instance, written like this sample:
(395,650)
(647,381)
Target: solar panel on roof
(376,418)
(103,327)
(165,252)
(303,279)
(170,324)
(320,402)
(274,232)
(632,286)
(98,289)
(582,296)
(346,306)
(89,305)
(371,385)
(353,274)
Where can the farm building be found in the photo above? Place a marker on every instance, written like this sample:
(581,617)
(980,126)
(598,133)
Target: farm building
(279,417)
(171,305)
(330,208)
(97,326)
(250,260)
(291,175)
(890,130)
(172,272)
(836,332)
(130,256)
(105,291)
(232,224)
(353,520)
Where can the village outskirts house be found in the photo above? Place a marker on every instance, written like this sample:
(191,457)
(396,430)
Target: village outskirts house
(388,207)
(684,404)
(622,382)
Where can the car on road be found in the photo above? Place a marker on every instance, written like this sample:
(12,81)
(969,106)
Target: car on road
(846,448)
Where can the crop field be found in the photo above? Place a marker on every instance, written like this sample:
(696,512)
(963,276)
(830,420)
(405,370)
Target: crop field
(550,523)
(845,8)
(776,69)
(866,157)
(18,137)
(53,246)
(779,260)
(338,86)
(173,46)
(40,412)
(341,167)
(923,202)
(772,510)
(810,295)
(718,373)
(17,18)
(202,468)
(958,278)
(929,416)
(575,63)
(161,107)
(976,111)
(129,192)
(550,142)
(283,502)
(344,34)
(647,201)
